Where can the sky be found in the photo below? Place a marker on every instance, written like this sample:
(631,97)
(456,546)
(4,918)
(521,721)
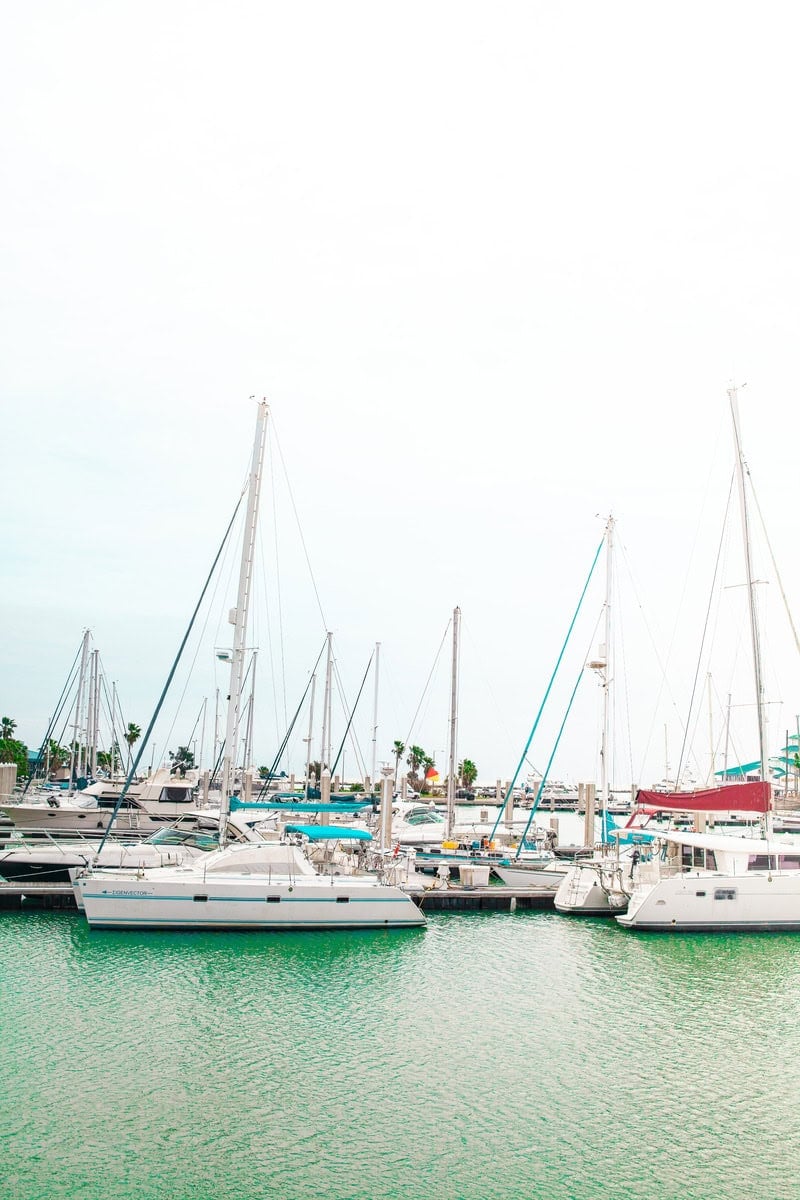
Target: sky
(494,268)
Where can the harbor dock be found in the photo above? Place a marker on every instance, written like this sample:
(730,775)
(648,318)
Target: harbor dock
(454,898)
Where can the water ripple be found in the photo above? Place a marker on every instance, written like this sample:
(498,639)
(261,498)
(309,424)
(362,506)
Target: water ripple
(492,1056)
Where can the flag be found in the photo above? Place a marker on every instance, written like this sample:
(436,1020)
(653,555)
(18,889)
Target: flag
(431,773)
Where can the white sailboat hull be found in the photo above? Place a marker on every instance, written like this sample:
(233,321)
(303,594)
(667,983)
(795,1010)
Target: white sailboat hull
(184,900)
(541,878)
(710,901)
(581,892)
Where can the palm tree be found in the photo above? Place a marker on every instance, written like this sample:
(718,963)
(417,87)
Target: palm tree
(398,749)
(416,757)
(7,727)
(182,760)
(468,772)
(131,735)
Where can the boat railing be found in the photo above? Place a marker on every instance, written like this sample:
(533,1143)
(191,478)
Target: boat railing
(34,838)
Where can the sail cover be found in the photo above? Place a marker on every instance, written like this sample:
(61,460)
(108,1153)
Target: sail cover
(734,797)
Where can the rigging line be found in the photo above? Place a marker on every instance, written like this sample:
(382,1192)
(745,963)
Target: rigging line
(325,624)
(487,685)
(165,689)
(702,642)
(57,713)
(279,588)
(626,693)
(428,681)
(193,664)
(774,562)
(270,651)
(555,669)
(546,774)
(353,736)
(353,713)
(288,734)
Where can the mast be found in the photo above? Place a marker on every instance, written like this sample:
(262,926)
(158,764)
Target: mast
(113,719)
(76,725)
(451,774)
(198,764)
(238,618)
(248,737)
(710,735)
(375,714)
(216,732)
(325,752)
(95,720)
(606,656)
(741,468)
(310,734)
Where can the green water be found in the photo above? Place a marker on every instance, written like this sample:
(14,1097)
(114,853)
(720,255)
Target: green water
(491,1055)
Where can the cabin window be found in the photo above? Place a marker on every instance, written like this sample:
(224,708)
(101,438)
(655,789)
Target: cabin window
(789,862)
(724,893)
(699,893)
(176,794)
(342,899)
(273,899)
(199,899)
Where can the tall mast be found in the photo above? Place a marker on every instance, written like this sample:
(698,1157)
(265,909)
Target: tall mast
(76,727)
(375,714)
(113,720)
(248,739)
(451,774)
(325,752)
(95,709)
(741,468)
(310,734)
(606,656)
(238,618)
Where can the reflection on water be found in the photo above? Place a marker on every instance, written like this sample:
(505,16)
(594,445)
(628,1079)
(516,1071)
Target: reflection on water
(492,1055)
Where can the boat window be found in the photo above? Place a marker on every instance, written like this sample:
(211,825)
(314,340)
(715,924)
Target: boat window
(724,893)
(176,794)
(342,899)
(185,837)
(758,862)
(199,899)
(790,862)
(699,893)
(273,899)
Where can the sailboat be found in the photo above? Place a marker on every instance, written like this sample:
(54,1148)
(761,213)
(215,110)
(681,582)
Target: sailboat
(269,885)
(739,883)
(595,887)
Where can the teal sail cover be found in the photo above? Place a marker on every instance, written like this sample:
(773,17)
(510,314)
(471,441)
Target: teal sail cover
(336,806)
(322,833)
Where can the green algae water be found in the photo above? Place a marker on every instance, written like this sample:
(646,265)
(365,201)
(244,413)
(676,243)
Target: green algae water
(490,1055)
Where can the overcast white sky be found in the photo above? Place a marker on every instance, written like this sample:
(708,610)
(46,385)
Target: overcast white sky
(493,266)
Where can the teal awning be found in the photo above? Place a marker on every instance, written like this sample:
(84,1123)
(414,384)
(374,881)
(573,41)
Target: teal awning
(336,806)
(322,833)
(742,769)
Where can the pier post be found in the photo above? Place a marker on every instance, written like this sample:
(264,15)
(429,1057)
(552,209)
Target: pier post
(588,816)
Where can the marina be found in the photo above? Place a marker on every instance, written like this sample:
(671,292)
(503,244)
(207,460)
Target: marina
(400,655)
